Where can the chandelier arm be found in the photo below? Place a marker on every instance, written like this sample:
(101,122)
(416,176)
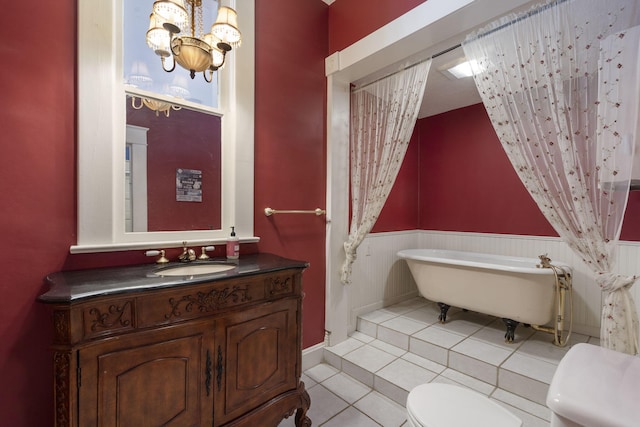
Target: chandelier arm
(204,74)
(162,59)
(178,44)
(133,103)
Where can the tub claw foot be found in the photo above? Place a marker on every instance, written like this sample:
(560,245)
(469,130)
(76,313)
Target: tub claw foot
(443,311)
(511,329)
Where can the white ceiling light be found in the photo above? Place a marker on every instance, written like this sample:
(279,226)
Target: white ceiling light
(463,69)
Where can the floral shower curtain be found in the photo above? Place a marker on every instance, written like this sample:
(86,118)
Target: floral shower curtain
(561,87)
(383,115)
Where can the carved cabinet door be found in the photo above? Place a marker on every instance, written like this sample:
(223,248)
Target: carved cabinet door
(160,378)
(256,358)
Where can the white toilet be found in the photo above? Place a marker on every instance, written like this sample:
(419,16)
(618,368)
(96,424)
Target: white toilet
(445,405)
(595,387)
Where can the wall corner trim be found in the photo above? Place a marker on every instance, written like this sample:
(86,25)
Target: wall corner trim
(332,63)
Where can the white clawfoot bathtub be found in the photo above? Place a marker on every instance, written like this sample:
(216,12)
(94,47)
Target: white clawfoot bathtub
(512,288)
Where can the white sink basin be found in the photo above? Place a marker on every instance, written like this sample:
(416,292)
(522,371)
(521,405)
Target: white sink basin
(194,269)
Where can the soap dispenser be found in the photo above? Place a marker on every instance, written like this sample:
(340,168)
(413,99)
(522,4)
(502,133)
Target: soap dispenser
(233,245)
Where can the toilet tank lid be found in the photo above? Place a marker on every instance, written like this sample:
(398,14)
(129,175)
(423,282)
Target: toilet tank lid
(447,405)
(595,386)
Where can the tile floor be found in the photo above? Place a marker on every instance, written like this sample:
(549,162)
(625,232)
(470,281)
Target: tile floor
(365,380)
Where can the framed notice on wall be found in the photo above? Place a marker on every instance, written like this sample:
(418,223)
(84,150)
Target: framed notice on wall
(188,185)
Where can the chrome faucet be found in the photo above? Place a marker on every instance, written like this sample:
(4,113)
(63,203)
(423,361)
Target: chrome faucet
(187,254)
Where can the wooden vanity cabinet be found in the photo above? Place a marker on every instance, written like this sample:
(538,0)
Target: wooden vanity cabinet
(259,364)
(151,379)
(222,353)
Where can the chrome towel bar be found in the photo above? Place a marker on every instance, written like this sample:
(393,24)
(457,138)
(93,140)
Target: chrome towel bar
(317,211)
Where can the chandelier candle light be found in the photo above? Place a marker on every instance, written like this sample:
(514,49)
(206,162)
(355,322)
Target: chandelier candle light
(204,52)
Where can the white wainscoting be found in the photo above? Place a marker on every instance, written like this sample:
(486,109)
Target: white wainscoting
(378,277)
(381,279)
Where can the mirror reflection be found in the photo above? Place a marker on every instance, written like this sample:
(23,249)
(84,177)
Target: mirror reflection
(142,68)
(173,170)
(173,166)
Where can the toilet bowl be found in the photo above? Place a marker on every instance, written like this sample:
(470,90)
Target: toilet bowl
(595,387)
(446,405)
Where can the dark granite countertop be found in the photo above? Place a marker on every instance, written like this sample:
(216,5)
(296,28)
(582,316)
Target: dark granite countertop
(68,286)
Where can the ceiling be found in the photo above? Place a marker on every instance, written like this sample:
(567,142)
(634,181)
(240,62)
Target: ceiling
(443,93)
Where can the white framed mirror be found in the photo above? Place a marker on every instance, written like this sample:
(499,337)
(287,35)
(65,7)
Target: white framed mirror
(102,134)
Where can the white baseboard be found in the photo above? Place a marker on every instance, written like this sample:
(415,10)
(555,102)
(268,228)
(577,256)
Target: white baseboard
(312,356)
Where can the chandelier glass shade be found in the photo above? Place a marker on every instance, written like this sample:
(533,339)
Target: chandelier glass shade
(197,52)
(225,28)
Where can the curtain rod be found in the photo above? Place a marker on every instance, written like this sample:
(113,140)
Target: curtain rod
(493,30)
(524,16)
(435,55)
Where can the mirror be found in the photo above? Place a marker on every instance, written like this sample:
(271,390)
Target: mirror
(172,161)
(102,134)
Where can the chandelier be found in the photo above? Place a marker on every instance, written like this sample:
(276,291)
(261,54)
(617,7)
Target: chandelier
(197,52)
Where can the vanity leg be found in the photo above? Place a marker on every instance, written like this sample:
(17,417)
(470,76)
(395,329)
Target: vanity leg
(301,414)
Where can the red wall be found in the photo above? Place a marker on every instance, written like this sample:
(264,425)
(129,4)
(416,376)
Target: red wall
(631,225)
(458,178)
(402,208)
(37,196)
(290,157)
(467,182)
(351,20)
